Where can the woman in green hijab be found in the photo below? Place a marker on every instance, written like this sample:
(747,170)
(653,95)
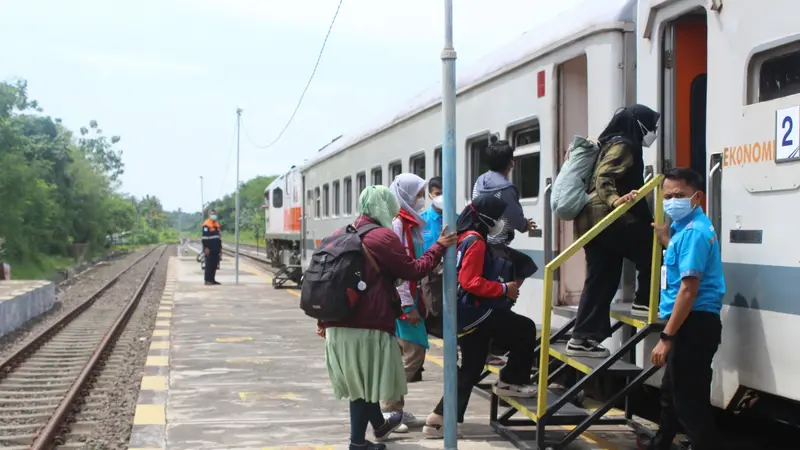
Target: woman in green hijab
(363,358)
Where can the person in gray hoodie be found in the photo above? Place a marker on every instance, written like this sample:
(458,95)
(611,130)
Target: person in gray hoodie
(500,158)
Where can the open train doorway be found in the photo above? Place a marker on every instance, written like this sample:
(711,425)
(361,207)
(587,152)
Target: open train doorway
(573,119)
(684,90)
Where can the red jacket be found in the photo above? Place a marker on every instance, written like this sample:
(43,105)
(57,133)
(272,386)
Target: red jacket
(376,310)
(470,276)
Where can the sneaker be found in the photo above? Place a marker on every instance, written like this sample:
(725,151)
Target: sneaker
(587,348)
(367,445)
(392,423)
(434,428)
(640,310)
(402,429)
(515,390)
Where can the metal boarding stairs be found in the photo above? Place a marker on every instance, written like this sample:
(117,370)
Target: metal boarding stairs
(559,407)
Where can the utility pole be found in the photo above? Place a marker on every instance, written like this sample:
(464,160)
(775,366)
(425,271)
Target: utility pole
(202,201)
(449,184)
(238,133)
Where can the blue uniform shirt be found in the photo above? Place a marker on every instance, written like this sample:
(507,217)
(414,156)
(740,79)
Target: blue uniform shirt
(693,251)
(433,228)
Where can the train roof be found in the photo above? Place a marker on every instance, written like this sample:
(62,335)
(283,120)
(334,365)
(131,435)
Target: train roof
(276,182)
(585,16)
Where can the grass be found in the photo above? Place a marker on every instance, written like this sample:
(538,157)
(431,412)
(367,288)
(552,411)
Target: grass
(41,269)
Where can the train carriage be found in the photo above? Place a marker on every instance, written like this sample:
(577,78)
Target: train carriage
(728,87)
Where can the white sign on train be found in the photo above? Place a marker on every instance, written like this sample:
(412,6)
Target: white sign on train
(787,133)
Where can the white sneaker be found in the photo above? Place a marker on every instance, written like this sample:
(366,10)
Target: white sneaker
(515,390)
(640,310)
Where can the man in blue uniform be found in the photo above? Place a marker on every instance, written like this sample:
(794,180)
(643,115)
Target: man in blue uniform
(692,287)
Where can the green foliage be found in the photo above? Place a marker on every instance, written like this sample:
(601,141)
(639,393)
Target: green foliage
(60,192)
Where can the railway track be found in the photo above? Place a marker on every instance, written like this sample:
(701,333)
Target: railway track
(53,378)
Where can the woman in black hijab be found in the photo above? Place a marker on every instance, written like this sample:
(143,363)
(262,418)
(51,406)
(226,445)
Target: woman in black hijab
(618,175)
(484,312)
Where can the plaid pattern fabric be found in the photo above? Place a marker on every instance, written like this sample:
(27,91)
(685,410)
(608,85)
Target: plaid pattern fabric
(612,164)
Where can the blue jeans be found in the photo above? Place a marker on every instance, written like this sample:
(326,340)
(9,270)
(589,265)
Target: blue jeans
(363,413)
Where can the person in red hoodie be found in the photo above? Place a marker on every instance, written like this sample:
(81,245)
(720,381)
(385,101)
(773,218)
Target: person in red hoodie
(487,289)
(362,355)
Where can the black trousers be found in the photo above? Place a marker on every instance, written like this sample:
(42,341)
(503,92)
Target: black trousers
(510,330)
(686,386)
(212,261)
(604,257)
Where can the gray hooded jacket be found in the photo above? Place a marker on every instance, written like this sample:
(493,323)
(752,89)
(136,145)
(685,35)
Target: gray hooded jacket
(495,183)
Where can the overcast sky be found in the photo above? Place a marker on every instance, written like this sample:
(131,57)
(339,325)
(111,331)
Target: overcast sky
(168,75)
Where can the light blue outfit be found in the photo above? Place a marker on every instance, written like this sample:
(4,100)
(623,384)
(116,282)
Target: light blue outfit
(433,227)
(693,251)
(416,334)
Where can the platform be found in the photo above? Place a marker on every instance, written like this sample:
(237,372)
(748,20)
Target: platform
(240,367)
(23,300)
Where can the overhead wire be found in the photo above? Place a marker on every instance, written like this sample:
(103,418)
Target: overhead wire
(300,101)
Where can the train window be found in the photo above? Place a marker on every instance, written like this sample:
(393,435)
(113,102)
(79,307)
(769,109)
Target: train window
(326,199)
(527,159)
(377,176)
(277,198)
(348,196)
(317,200)
(477,155)
(337,198)
(437,161)
(395,169)
(361,183)
(776,73)
(417,165)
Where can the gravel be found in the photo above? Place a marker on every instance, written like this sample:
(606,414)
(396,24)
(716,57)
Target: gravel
(67,296)
(123,371)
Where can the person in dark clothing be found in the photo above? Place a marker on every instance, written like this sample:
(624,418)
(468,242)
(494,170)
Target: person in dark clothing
(618,174)
(212,247)
(485,315)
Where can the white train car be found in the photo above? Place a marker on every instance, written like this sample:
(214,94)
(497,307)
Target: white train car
(726,76)
(284,216)
(728,87)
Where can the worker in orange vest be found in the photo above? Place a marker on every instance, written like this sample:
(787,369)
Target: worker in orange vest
(212,247)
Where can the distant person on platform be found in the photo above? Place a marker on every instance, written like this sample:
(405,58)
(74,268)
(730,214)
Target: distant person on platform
(212,247)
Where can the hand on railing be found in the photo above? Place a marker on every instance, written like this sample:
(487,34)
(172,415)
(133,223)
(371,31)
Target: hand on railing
(627,198)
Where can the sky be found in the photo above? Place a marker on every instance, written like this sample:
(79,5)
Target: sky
(168,75)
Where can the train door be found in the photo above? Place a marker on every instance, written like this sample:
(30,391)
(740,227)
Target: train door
(684,92)
(573,119)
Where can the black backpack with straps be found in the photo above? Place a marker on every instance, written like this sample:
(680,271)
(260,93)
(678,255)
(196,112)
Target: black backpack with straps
(334,281)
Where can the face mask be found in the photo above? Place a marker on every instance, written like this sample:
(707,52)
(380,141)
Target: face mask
(419,204)
(678,208)
(649,136)
(438,202)
(214,217)
(497,228)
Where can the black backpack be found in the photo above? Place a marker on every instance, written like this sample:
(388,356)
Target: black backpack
(334,280)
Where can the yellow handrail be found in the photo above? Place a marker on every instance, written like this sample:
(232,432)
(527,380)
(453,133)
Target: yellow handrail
(653,185)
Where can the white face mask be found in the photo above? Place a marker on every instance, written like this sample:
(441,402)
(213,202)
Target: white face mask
(497,228)
(419,204)
(649,136)
(438,202)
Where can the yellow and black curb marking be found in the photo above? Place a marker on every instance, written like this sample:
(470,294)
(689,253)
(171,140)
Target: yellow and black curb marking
(150,422)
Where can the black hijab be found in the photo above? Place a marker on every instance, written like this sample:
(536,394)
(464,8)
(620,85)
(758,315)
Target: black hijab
(625,126)
(470,219)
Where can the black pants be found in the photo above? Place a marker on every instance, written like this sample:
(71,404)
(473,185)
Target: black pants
(508,329)
(212,261)
(686,386)
(604,257)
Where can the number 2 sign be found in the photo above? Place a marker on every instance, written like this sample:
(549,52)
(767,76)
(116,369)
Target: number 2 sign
(787,133)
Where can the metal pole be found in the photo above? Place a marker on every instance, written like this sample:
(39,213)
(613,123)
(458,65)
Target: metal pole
(202,201)
(238,128)
(449,183)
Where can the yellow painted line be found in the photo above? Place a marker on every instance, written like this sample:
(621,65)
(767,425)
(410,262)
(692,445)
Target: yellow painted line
(253,396)
(149,415)
(628,320)
(293,292)
(160,332)
(247,361)
(436,342)
(165,308)
(570,361)
(162,323)
(157,361)
(234,339)
(159,345)
(164,315)
(154,383)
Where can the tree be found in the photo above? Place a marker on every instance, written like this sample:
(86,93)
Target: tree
(99,150)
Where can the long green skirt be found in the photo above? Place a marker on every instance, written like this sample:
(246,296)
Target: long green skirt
(364,364)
